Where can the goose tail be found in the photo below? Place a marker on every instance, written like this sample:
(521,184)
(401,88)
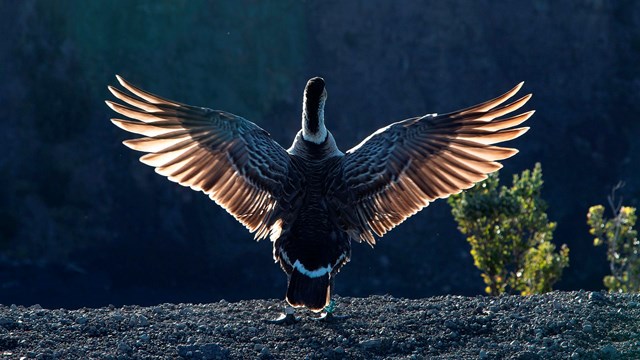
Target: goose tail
(313,293)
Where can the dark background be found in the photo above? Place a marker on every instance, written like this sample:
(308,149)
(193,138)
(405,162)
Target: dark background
(83,223)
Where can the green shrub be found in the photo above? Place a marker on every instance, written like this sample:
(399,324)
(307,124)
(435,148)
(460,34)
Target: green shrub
(510,234)
(623,246)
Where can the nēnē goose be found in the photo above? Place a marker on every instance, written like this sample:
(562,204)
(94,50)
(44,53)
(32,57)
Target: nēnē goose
(312,199)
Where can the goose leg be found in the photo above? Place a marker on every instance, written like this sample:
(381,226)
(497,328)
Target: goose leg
(287,317)
(328,314)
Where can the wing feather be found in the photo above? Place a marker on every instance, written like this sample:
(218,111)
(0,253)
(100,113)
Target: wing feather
(229,158)
(401,168)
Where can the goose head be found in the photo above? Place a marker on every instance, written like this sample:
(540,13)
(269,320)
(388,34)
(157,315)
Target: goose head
(315,95)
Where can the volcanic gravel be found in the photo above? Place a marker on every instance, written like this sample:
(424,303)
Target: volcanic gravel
(558,325)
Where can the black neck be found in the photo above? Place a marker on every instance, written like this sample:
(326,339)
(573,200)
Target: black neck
(313,110)
(312,119)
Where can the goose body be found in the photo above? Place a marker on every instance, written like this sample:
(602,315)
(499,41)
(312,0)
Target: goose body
(312,199)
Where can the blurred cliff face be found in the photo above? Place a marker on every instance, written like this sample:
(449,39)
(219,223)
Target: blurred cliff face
(76,201)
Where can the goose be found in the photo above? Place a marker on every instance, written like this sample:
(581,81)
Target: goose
(312,199)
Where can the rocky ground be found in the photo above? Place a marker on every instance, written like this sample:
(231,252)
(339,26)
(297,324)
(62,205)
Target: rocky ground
(559,325)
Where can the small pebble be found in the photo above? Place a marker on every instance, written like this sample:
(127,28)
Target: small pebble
(370,344)
(557,305)
(265,352)
(450,324)
(609,352)
(123,347)
(596,297)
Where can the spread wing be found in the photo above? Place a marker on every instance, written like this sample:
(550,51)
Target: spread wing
(403,167)
(229,158)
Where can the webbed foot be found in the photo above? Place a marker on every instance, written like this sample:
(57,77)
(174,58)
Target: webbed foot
(285,318)
(328,314)
(329,317)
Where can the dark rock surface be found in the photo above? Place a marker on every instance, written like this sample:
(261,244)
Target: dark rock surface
(558,325)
